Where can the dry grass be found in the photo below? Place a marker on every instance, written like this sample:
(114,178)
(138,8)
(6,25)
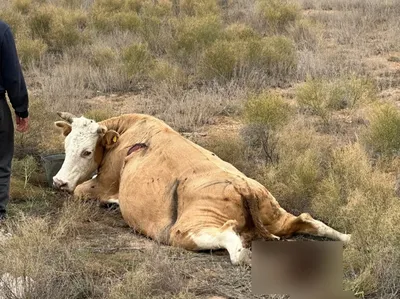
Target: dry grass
(306,80)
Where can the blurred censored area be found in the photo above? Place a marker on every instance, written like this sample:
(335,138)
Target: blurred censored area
(303,270)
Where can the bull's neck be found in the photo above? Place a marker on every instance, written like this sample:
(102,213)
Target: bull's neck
(145,124)
(122,123)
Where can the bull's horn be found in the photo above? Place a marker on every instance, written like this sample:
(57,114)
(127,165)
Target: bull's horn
(69,117)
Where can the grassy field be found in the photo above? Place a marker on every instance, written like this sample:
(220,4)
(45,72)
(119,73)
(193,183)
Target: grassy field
(301,95)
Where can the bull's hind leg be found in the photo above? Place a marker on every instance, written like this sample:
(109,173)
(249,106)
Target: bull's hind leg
(305,224)
(214,238)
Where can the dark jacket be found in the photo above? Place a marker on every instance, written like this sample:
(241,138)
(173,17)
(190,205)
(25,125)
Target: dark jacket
(11,78)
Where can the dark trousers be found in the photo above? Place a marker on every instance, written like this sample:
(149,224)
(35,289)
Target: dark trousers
(6,152)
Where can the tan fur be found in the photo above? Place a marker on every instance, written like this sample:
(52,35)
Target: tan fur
(66,127)
(174,189)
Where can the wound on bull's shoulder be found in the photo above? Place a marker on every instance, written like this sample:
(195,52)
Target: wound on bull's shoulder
(136,147)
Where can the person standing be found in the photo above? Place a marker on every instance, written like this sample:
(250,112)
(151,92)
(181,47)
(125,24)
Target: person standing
(12,83)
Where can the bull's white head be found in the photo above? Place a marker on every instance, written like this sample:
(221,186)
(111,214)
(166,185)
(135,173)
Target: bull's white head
(85,143)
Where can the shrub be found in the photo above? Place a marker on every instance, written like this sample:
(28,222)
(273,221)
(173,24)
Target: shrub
(110,6)
(25,168)
(199,7)
(109,21)
(193,34)
(312,96)
(30,50)
(41,21)
(219,61)
(269,109)
(230,149)
(126,20)
(240,31)
(359,199)
(102,56)
(275,56)
(351,92)
(349,170)
(322,97)
(305,34)
(157,24)
(277,15)
(59,28)
(264,114)
(22,191)
(138,60)
(22,6)
(303,155)
(14,19)
(268,57)
(382,136)
(164,71)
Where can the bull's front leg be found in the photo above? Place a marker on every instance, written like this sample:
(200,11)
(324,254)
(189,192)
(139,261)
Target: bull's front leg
(92,190)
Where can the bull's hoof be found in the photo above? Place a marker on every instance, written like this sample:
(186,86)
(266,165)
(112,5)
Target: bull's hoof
(275,238)
(245,257)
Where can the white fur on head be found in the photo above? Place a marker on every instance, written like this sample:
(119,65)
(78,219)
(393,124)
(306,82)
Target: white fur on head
(80,146)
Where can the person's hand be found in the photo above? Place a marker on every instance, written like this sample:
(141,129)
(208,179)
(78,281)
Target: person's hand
(22,124)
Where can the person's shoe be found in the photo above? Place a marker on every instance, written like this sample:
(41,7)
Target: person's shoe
(3,217)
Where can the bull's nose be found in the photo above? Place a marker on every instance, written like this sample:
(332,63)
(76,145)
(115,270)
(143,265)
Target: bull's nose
(59,184)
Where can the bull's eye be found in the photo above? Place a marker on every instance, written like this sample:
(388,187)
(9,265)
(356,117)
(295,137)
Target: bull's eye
(86,153)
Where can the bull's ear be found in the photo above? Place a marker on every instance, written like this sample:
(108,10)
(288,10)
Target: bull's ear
(66,127)
(110,138)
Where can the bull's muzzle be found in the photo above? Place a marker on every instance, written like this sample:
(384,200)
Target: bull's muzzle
(59,184)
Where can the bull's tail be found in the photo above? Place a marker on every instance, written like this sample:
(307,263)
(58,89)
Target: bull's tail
(253,198)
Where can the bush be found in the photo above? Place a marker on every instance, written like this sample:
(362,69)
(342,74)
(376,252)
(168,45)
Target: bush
(358,199)
(269,109)
(30,50)
(305,34)
(268,57)
(382,136)
(199,7)
(22,6)
(312,96)
(138,60)
(349,170)
(108,20)
(277,15)
(265,114)
(102,56)
(193,34)
(322,97)
(240,31)
(351,92)
(232,150)
(219,61)
(59,28)
(303,154)
(274,56)
(25,168)
(156,31)
(164,71)
(14,19)
(22,191)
